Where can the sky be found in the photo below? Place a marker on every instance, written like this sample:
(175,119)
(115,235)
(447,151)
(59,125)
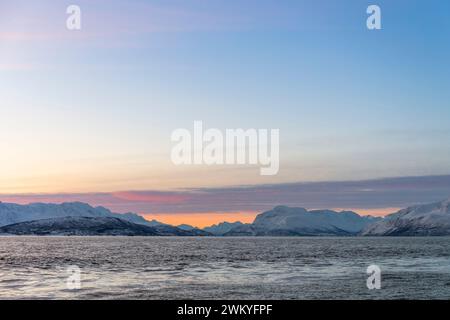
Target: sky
(87,115)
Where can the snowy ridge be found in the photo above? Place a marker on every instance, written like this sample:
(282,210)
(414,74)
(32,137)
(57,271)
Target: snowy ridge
(286,221)
(91,226)
(420,220)
(11,213)
(223,227)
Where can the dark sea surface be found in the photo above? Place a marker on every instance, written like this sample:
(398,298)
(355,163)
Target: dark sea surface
(223,268)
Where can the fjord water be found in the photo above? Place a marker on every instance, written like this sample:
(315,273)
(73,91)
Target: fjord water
(224,268)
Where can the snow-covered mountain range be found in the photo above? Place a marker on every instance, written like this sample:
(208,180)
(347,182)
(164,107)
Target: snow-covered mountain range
(223,227)
(420,220)
(11,213)
(286,221)
(92,226)
(50,218)
(79,226)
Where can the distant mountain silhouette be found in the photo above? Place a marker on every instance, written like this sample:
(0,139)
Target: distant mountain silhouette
(40,218)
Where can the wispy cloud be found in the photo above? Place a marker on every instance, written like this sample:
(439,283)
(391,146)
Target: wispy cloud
(367,194)
(151,197)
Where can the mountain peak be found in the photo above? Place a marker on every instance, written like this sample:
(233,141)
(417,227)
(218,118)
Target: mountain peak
(223,227)
(446,203)
(186,227)
(280,208)
(285,220)
(284,209)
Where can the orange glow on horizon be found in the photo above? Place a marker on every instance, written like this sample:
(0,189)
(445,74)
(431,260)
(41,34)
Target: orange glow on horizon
(202,220)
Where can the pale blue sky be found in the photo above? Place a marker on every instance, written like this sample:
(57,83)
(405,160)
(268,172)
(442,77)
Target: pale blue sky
(92,110)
